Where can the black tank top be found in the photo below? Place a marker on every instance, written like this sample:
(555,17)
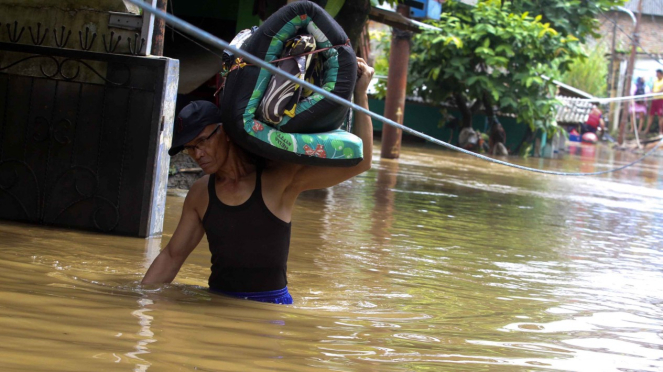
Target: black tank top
(249,244)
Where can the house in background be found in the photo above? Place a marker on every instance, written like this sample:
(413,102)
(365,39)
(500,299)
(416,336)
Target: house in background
(651,26)
(619,25)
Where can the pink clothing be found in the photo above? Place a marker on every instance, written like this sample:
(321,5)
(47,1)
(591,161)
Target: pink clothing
(638,108)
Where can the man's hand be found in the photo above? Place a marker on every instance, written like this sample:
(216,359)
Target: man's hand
(364,76)
(186,237)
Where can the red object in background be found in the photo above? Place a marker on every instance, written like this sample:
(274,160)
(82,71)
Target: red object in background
(216,82)
(594,119)
(590,137)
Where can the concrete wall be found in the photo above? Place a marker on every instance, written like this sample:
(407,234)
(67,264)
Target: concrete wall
(651,29)
(75,15)
(160,185)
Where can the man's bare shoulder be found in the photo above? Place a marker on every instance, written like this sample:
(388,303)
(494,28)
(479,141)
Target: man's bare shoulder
(197,197)
(281,172)
(282,167)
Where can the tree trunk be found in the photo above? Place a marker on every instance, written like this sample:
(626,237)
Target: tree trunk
(465,111)
(527,138)
(352,17)
(488,106)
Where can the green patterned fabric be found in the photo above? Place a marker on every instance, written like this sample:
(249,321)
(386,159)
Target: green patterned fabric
(337,144)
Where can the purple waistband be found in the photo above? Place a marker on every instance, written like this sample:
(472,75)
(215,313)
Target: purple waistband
(278,296)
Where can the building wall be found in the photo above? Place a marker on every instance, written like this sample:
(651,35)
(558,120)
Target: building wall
(651,31)
(73,15)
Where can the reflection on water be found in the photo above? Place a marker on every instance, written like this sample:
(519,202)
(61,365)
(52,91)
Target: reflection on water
(434,262)
(142,346)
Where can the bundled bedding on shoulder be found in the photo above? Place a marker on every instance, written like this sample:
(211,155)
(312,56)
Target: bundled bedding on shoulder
(276,118)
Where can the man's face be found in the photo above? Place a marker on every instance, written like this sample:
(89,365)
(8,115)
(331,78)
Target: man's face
(659,76)
(206,149)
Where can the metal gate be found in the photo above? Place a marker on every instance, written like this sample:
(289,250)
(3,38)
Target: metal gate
(82,138)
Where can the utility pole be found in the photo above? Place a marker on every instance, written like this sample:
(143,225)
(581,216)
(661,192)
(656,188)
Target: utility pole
(394,106)
(159,30)
(629,75)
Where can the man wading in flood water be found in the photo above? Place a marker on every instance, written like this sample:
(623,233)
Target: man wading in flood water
(245,203)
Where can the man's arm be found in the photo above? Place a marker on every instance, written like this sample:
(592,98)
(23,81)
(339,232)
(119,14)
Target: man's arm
(312,177)
(186,237)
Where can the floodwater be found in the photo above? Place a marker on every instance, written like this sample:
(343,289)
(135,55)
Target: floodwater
(436,262)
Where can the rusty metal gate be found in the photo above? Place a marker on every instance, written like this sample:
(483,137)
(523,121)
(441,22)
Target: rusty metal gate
(79,138)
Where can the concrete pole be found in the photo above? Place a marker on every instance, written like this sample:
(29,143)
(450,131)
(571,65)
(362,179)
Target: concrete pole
(629,76)
(612,89)
(159,30)
(146,31)
(394,106)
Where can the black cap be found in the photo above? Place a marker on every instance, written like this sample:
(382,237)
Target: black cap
(193,118)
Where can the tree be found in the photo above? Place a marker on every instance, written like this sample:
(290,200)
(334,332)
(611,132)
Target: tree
(501,53)
(350,15)
(490,56)
(353,15)
(569,17)
(352,18)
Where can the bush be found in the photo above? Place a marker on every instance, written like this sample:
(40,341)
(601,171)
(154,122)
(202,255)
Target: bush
(589,73)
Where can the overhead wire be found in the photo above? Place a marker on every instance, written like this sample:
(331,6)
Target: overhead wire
(617,99)
(221,44)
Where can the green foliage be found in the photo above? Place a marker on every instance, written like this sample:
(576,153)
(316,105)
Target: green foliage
(490,49)
(502,49)
(382,48)
(382,42)
(380,2)
(568,17)
(590,73)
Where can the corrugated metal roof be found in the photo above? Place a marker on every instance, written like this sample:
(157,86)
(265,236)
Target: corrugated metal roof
(649,7)
(573,110)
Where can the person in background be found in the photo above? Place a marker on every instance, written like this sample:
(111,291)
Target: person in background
(594,123)
(469,139)
(497,139)
(639,108)
(657,104)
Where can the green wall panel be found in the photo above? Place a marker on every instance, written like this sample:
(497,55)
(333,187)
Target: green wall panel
(245,17)
(424,118)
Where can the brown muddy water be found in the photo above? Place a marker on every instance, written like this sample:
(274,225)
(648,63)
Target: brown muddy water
(438,262)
